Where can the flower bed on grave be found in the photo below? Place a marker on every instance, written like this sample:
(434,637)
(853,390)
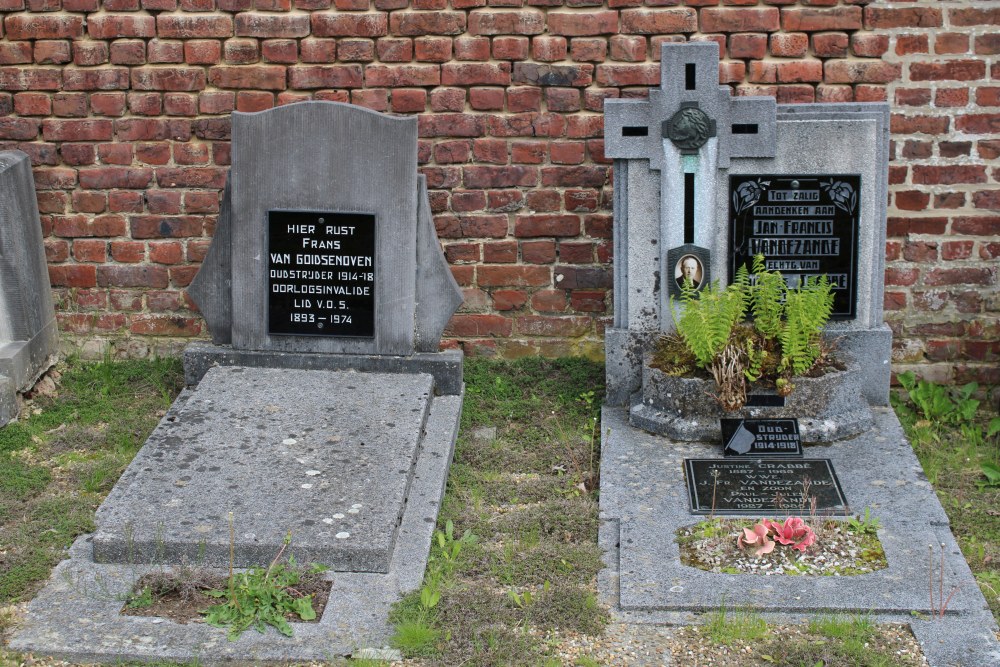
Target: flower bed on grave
(718,365)
(741,546)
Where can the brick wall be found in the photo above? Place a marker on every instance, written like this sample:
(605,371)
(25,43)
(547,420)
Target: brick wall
(124,108)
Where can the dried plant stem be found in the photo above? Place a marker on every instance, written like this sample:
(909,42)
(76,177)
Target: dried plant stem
(232,557)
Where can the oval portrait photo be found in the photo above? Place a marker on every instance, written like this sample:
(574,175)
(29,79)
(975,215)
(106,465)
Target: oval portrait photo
(689,267)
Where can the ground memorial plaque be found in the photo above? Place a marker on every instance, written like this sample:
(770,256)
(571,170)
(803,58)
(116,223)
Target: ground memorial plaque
(755,486)
(28,336)
(761,437)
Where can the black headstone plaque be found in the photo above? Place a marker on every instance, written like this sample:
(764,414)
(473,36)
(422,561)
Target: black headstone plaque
(321,273)
(761,437)
(763,486)
(805,226)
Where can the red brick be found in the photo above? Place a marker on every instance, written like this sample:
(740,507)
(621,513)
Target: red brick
(486,99)
(500,252)
(479,325)
(161,51)
(490,22)
(748,45)
(350,25)
(510,48)
(265,26)
(549,301)
(743,19)
(828,44)
(415,24)
(536,325)
(191,177)
(89,250)
(987,45)
(628,48)
(74,226)
(987,199)
(963,276)
(325,76)
(662,21)
(952,250)
(28,26)
(78,154)
(628,75)
(588,301)
(409,100)
(499,177)
(173,78)
(19,129)
(77,130)
(30,78)
(513,276)
(29,104)
(188,26)
(73,275)
(575,24)
(402,75)
(951,43)
(562,99)
(948,175)
(826,93)
(979,123)
(491,151)
(920,251)
(53,52)
(860,71)
(509,299)
(470,74)
(789,45)
(123,201)
(583,176)
(955,70)
(472,48)
(462,253)
(15,53)
(241,51)
(527,226)
(879,18)
(912,200)
(432,49)
(541,74)
(522,99)
(584,49)
(548,49)
(115,26)
(128,52)
(265,77)
(320,50)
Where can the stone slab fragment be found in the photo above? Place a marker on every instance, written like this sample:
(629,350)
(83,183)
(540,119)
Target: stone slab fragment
(445,366)
(75,617)
(28,335)
(644,501)
(325,455)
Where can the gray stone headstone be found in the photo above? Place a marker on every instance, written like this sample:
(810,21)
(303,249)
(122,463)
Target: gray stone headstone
(28,336)
(672,191)
(337,163)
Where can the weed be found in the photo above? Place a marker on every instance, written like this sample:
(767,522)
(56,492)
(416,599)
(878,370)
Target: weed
(726,627)
(257,597)
(416,638)
(863,525)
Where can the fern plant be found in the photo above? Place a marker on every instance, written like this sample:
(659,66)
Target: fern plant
(783,340)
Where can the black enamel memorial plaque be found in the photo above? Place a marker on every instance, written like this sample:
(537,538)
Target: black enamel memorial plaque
(761,437)
(805,226)
(321,273)
(739,485)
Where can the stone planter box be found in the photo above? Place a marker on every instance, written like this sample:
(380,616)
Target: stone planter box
(828,408)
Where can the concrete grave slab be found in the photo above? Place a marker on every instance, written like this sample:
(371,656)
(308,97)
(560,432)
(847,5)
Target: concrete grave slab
(28,336)
(76,616)
(328,456)
(644,501)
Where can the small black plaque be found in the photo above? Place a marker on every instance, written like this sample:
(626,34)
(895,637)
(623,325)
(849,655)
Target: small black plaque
(805,226)
(761,437)
(765,401)
(321,274)
(756,486)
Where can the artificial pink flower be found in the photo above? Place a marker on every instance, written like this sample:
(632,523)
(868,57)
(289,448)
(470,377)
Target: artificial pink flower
(793,531)
(758,538)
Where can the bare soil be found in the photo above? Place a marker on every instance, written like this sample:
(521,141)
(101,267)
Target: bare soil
(181,596)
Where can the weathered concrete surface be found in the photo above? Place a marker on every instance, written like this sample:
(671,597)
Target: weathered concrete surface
(445,366)
(28,336)
(644,501)
(76,618)
(327,456)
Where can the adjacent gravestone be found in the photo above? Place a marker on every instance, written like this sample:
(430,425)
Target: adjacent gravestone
(28,336)
(704,180)
(325,254)
(323,410)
